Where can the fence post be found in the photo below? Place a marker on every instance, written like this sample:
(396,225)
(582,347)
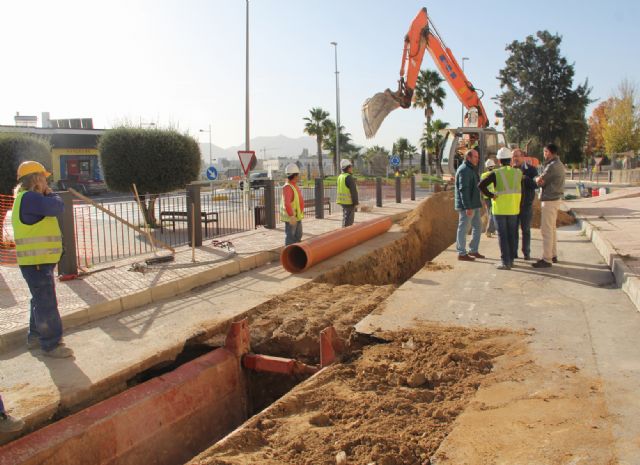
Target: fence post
(319,198)
(270,204)
(193,213)
(590,174)
(413,187)
(378,192)
(398,190)
(68,264)
(571,174)
(610,178)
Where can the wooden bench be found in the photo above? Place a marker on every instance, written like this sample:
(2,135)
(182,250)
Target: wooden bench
(310,205)
(174,217)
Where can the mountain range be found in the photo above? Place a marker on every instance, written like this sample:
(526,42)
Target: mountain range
(267,147)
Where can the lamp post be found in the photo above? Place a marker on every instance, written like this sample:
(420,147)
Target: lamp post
(337,160)
(246,135)
(463,60)
(210,147)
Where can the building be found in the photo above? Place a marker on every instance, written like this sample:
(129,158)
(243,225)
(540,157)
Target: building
(74,144)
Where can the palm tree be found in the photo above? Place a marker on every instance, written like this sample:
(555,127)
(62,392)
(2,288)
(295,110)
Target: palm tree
(429,92)
(431,139)
(347,149)
(377,158)
(401,148)
(412,151)
(318,125)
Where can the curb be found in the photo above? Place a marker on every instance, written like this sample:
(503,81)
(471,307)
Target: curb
(628,281)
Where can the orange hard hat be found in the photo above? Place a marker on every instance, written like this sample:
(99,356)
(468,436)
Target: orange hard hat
(30,167)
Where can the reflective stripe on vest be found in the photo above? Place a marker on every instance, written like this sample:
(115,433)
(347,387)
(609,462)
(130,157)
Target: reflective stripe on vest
(39,243)
(508,190)
(344,193)
(295,205)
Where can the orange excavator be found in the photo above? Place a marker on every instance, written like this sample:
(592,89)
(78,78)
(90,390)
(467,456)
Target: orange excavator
(476,133)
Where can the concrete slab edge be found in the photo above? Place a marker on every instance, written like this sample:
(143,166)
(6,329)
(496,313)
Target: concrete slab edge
(237,265)
(625,278)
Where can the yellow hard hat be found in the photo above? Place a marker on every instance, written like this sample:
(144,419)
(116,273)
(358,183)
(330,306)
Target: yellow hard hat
(30,167)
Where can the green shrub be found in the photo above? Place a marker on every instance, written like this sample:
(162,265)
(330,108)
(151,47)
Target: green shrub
(16,148)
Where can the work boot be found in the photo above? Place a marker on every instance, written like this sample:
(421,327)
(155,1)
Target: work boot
(541,264)
(489,235)
(476,255)
(9,424)
(502,266)
(527,257)
(554,259)
(466,258)
(60,351)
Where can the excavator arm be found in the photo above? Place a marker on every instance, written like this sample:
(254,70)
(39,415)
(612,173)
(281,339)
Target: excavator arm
(422,36)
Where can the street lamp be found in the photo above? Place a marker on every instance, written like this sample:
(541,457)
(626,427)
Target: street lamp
(210,153)
(463,60)
(335,45)
(246,135)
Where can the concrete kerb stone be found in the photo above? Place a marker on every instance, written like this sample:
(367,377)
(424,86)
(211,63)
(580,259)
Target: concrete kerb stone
(625,278)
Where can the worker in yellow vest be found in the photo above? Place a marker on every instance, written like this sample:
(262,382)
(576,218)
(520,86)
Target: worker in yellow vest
(491,225)
(38,248)
(347,193)
(505,205)
(292,206)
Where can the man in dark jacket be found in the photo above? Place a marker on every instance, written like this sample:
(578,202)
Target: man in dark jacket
(529,187)
(469,206)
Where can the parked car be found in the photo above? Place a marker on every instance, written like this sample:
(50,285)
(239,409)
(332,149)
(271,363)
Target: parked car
(257,179)
(84,186)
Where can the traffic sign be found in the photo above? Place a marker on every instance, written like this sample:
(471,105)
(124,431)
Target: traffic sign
(247,160)
(212,173)
(395,160)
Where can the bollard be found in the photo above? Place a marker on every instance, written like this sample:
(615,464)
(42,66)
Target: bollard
(68,264)
(319,198)
(610,176)
(413,187)
(270,204)
(571,174)
(378,192)
(398,190)
(194,220)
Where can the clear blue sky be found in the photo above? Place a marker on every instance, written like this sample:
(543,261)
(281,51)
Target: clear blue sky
(182,63)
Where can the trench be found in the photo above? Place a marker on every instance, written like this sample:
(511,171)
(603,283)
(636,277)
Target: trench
(289,326)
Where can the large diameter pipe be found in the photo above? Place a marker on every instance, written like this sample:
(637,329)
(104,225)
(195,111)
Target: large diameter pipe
(299,257)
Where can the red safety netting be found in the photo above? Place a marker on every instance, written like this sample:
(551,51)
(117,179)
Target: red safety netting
(7,245)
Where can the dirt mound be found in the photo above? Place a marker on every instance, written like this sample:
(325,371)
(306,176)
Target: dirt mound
(564,218)
(393,404)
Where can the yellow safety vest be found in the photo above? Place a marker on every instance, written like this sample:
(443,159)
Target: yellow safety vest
(344,193)
(490,187)
(295,205)
(36,244)
(508,190)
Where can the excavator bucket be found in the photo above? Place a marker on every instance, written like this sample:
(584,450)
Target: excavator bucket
(376,109)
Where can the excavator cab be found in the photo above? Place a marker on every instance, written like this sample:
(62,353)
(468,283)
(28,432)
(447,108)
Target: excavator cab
(487,141)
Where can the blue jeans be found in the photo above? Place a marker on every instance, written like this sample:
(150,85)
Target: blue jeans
(524,222)
(348,215)
(507,232)
(463,225)
(491,225)
(1,406)
(44,321)
(293,234)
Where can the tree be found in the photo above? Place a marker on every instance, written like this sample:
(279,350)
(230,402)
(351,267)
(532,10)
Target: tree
(156,160)
(597,123)
(318,125)
(377,159)
(16,148)
(539,101)
(432,139)
(622,124)
(428,92)
(347,149)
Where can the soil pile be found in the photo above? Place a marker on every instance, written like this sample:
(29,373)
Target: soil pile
(564,218)
(392,404)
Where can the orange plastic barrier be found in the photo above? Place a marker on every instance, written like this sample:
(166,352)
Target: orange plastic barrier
(7,246)
(302,256)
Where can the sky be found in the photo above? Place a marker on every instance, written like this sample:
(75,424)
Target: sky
(181,63)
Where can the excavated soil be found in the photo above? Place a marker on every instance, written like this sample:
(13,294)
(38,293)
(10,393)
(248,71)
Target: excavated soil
(564,218)
(392,403)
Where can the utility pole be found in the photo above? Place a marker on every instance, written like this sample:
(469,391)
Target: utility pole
(337,160)
(247,136)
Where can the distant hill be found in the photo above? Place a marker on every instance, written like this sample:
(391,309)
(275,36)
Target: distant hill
(268,147)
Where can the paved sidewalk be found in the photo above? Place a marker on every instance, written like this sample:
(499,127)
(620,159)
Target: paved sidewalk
(116,288)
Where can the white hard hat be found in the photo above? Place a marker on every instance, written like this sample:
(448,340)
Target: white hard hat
(345,163)
(504,154)
(489,163)
(291,168)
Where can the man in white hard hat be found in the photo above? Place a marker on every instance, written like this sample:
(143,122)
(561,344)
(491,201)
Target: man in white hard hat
(489,165)
(347,193)
(529,173)
(505,205)
(292,206)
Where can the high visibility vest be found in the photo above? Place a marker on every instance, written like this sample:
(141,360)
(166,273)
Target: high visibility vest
(508,190)
(295,205)
(490,187)
(36,244)
(344,193)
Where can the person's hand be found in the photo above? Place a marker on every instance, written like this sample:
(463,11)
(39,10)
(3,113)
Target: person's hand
(495,197)
(293,221)
(469,212)
(47,190)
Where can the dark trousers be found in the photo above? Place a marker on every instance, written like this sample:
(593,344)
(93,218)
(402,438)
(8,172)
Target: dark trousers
(1,406)
(507,231)
(348,215)
(44,322)
(292,234)
(524,224)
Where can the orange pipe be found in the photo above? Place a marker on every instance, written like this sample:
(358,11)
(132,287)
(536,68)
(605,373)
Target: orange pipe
(303,255)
